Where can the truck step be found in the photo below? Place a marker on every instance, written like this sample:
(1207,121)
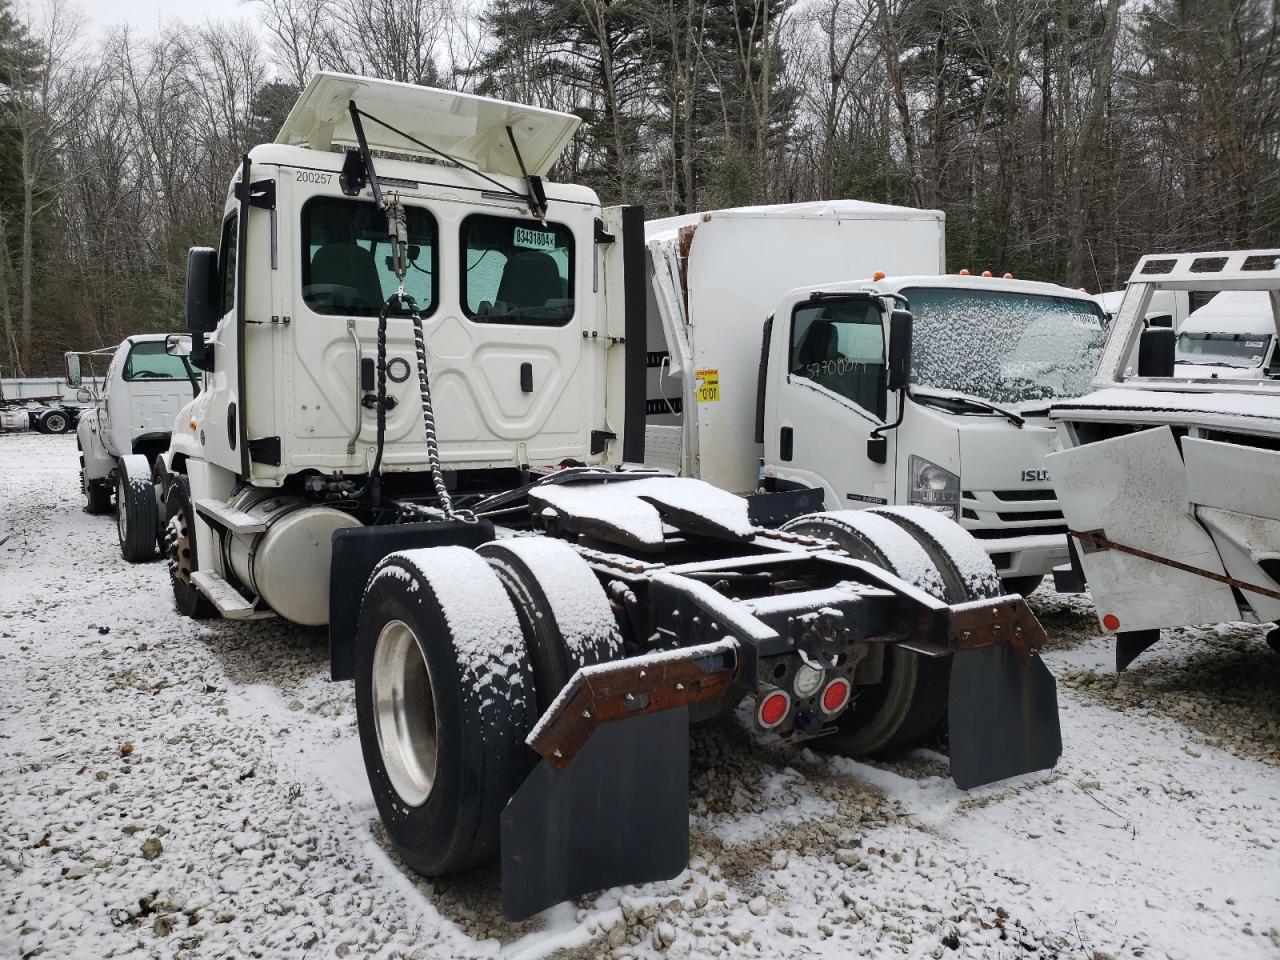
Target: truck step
(237,521)
(226,597)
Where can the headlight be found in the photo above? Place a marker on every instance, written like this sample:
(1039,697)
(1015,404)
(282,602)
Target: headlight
(933,487)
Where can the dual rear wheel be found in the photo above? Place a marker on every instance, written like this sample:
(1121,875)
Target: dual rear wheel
(458,652)
(909,704)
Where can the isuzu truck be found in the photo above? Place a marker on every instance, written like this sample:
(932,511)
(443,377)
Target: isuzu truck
(801,400)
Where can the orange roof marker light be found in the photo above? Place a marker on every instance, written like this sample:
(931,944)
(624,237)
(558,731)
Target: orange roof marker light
(986,273)
(878,275)
(964,272)
(1008,276)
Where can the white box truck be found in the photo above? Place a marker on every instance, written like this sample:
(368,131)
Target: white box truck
(802,401)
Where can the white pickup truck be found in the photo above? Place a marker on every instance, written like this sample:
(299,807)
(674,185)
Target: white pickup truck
(128,426)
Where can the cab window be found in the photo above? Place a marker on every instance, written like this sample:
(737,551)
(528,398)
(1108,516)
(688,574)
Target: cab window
(839,345)
(227,262)
(148,361)
(516,271)
(346,258)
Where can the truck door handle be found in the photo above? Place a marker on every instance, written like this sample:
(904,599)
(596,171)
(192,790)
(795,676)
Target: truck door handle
(526,377)
(786,438)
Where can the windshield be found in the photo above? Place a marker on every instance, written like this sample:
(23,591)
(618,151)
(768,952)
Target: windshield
(148,361)
(1245,350)
(1002,346)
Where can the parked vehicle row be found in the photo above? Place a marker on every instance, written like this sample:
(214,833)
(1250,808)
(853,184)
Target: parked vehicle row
(560,483)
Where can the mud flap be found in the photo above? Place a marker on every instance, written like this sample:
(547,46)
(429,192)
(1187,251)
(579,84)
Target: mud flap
(1131,643)
(1003,715)
(618,814)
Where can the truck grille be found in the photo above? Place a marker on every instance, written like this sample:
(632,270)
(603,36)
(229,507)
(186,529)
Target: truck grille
(995,514)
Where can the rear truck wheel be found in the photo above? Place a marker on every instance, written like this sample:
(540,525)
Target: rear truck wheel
(180,550)
(444,699)
(135,509)
(967,572)
(911,698)
(1023,586)
(564,614)
(53,421)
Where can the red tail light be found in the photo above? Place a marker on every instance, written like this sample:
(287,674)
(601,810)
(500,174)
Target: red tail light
(773,709)
(836,695)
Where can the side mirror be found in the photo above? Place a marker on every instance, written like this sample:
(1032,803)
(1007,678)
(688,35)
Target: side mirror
(899,366)
(204,295)
(74,377)
(177,345)
(84,395)
(1156,352)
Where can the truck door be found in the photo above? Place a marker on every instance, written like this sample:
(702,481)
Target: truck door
(825,394)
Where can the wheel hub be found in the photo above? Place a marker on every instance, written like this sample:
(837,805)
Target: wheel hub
(404,713)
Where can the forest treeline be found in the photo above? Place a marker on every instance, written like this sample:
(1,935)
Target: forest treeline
(1063,138)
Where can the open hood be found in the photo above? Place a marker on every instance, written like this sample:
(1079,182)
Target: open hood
(468,128)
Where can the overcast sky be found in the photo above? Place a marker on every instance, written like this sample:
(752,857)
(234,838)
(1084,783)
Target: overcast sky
(146,15)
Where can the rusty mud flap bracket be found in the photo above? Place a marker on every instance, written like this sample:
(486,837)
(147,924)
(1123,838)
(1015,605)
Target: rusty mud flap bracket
(608,803)
(1003,712)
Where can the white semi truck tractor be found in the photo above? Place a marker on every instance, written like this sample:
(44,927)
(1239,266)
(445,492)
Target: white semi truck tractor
(421,383)
(1169,476)
(808,405)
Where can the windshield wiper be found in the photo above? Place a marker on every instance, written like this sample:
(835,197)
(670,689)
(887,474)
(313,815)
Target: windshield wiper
(1015,419)
(1215,363)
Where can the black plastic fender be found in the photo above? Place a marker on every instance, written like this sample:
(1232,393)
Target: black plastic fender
(357,550)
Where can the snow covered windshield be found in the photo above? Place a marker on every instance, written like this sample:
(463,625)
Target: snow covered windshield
(1223,349)
(1004,347)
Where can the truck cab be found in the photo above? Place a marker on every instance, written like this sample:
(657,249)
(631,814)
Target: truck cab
(1233,336)
(966,437)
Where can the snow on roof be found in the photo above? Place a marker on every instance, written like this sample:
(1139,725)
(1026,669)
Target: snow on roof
(667,227)
(1233,311)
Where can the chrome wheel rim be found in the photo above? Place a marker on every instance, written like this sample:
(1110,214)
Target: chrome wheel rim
(56,422)
(404,715)
(122,515)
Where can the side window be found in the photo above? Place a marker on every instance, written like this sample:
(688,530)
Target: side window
(227,262)
(839,345)
(346,258)
(516,271)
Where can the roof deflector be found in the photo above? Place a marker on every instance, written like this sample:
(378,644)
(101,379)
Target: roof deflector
(469,128)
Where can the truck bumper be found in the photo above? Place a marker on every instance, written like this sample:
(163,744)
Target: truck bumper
(1027,556)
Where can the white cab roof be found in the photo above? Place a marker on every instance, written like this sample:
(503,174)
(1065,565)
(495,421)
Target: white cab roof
(470,129)
(1233,311)
(816,210)
(957,281)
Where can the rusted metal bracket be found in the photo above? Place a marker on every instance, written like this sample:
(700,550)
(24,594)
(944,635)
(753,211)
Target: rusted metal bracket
(1093,541)
(990,623)
(627,688)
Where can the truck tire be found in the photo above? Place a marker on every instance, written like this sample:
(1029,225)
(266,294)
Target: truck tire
(180,550)
(1023,586)
(97,493)
(967,572)
(444,699)
(564,614)
(911,698)
(54,421)
(135,509)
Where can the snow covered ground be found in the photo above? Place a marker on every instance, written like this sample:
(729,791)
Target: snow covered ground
(171,789)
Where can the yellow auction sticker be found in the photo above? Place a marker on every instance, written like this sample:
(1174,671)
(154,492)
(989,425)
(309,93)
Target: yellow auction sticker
(708,385)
